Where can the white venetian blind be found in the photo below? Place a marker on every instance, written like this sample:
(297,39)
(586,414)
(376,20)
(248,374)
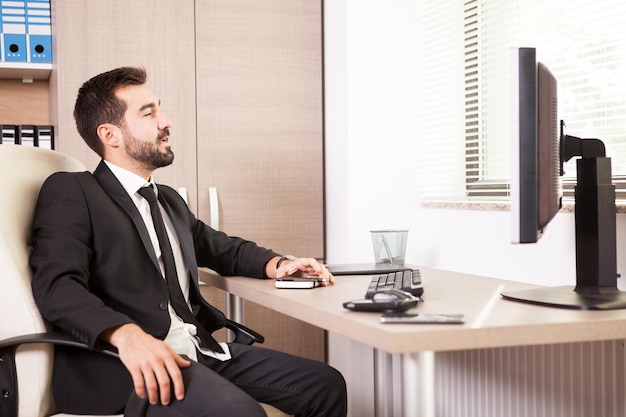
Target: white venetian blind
(468,47)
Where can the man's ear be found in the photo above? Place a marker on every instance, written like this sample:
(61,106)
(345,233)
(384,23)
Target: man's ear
(109,134)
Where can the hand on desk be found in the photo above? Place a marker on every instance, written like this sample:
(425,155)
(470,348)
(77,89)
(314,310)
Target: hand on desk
(305,267)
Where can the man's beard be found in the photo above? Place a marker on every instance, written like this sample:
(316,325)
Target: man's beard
(148,153)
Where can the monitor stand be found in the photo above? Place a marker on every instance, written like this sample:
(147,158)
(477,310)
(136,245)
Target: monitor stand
(567,297)
(596,253)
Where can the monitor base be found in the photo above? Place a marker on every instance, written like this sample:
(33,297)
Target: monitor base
(566,297)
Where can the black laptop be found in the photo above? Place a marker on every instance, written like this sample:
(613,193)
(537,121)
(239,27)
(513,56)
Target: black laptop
(364,268)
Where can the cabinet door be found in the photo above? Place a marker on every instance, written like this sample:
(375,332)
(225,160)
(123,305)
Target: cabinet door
(96,36)
(260,136)
(260,121)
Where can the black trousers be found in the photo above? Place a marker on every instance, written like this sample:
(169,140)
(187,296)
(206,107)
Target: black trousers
(213,388)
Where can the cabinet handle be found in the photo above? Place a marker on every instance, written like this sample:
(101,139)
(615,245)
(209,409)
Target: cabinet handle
(214,218)
(182,191)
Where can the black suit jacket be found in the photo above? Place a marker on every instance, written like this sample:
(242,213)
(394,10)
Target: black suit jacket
(95,268)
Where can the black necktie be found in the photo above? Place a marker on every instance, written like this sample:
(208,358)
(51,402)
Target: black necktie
(177,298)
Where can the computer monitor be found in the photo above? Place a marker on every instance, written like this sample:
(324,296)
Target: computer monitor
(536,190)
(539,148)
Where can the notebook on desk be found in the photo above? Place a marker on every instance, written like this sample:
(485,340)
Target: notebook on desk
(364,268)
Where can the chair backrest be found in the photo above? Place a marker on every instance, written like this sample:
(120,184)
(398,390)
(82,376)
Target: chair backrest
(23,170)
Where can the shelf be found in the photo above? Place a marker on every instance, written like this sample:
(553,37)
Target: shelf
(25,71)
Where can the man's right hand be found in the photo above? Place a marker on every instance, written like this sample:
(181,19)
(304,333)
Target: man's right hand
(153,365)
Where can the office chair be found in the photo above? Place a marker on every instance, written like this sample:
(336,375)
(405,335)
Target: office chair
(26,340)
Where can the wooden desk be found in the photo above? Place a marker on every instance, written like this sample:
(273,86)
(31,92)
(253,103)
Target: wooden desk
(490,321)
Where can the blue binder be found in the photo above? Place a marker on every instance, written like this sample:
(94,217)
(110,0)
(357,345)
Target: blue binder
(38,31)
(1,45)
(14,31)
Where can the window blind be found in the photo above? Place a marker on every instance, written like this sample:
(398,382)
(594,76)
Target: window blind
(582,42)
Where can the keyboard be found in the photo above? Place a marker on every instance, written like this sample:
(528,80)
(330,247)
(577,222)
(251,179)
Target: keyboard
(409,280)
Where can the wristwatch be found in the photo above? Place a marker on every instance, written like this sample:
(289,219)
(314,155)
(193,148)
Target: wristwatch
(285,258)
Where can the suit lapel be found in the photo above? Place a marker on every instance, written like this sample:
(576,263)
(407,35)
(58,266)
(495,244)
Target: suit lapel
(114,189)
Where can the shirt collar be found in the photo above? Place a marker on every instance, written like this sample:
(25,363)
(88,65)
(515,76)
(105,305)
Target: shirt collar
(129,180)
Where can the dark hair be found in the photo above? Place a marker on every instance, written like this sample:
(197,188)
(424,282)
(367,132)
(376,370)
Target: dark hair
(97,104)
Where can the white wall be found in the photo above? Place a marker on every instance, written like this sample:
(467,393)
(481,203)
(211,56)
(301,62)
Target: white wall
(373,153)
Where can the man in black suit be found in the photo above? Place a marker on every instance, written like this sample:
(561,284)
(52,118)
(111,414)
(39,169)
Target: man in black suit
(99,264)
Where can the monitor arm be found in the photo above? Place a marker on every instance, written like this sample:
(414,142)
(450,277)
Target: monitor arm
(572,146)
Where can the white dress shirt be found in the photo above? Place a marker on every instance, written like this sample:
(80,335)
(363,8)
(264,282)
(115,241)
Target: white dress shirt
(181,336)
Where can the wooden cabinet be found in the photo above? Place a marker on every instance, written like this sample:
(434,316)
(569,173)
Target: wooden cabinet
(260,136)
(260,124)
(24,103)
(241,81)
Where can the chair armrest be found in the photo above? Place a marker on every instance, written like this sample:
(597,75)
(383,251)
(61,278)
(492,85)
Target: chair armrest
(8,348)
(8,371)
(243,334)
(55,338)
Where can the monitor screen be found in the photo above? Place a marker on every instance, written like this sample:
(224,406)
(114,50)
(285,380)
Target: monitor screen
(536,190)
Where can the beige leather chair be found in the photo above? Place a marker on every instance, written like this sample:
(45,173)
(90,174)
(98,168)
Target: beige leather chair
(25,338)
